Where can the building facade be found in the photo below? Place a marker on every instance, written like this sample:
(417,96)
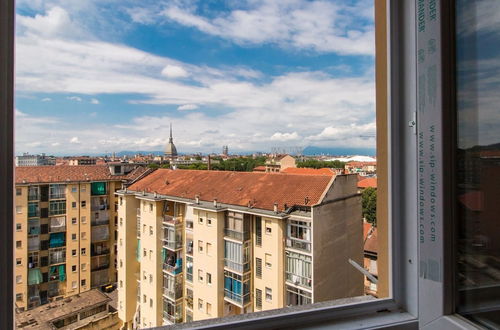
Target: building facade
(34,160)
(211,244)
(278,163)
(65,226)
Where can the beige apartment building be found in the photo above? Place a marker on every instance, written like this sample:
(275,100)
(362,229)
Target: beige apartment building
(211,244)
(65,227)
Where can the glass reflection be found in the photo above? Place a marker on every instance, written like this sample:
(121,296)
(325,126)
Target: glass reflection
(478,156)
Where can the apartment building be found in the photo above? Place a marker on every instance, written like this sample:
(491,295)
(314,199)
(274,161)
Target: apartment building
(211,244)
(65,224)
(278,163)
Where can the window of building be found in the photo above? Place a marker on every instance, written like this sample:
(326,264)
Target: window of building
(73,205)
(84,204)
(144,252)
(209,308)
(83,251)
(269,294)
(258,231)
(84,219)
(209,223)
(258,298)
(84,235)
(73,237)
(74,189)
(19,279)
(144,298)
(19,209)
(200,275)
(74,284)
(200,246)
(73,268)
(19,244)
(83,282)
(258,267)
(121,263)
(121,200)
(150,278)
(209,278)
(121,222)
(150,302)
(18,227)
(121,284)
(19,191)
(209,249)
(74,221)
(151,230)
(150,207)
(268,260)
(200,304)
(73,253)
(200,220)
(150,254)
(144,275)
(84,267)
(268,227)
(19,297)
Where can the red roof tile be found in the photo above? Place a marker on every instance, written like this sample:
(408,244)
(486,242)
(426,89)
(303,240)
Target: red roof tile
(309,171)
(237,188)
(64,173)
(260,168)
(370,237)
(369,182)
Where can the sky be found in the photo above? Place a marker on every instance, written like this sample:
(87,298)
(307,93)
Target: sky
(101,76)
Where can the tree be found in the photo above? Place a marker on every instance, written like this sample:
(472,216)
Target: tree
(153,165)
(369,205)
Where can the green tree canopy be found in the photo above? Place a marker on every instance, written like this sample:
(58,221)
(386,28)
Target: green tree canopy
(369,205)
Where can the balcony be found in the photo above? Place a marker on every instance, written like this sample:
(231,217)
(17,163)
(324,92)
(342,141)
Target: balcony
(302,281)
(189,247)
(189,224)
(57,273)
(172,319)
(100,233)
(100,263)
(57,225)
(100,221)
(34,243)
(172,269)
(298,244)
(237,266)
(55,293)
(57,256)
(237,235)
(236,298)
(99,278)
(101,252)
(173,293)
(172,238)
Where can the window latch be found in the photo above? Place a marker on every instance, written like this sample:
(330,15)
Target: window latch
(413,122)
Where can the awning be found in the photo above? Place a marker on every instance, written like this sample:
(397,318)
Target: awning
(138,250)
(35,276)
(98,188)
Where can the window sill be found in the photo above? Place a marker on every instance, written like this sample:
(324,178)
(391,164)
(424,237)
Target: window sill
(354,313)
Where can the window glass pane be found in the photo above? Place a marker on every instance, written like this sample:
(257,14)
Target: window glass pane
(478,161)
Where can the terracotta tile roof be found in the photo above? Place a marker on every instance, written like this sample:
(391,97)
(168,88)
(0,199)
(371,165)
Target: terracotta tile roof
(237,188)
(64,173)
(370,237)
(260,168)
(369,182)
(309,171)
(360,164)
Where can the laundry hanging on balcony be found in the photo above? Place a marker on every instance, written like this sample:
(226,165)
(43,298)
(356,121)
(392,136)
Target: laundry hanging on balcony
(163,255)
(57,224)
(58,271)
(57,240)
(138,250)
(35,276)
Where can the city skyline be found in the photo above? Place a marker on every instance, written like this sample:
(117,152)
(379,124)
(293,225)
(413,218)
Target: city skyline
(85,86)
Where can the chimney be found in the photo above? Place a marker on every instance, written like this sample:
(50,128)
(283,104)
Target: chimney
(208,163)
(215,202)
(275,207)
(156,194)
(197,199)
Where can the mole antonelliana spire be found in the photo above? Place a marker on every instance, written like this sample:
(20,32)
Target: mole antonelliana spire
(170,150)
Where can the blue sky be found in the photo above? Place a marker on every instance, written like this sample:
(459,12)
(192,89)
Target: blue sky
(104,76)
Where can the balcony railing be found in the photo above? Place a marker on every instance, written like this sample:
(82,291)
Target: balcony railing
(100,221)
(174,294)
(172,318)
(100,263)
(299,280)
(236,266)
(237,298)
(171,220)
(58,258)
(238,235)
(299,245)
(175,270)
(189,277)
(55,293)
(57,229)
(103,252)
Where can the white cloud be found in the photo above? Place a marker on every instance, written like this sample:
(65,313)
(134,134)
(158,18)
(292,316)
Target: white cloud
(284,136)
(94,101)
(75,140)
(174,71)
(46,99)
(18,113)
(187,107)
(318,25)
(74,98)
(55,144)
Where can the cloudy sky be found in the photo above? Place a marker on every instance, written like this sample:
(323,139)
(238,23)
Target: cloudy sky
(99,76)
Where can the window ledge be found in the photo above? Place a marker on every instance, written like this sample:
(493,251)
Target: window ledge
(356,312)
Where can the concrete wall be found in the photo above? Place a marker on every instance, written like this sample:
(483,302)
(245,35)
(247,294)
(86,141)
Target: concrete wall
(128,266)
(338,236)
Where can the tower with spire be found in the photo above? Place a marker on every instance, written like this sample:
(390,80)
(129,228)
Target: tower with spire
(170,150)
